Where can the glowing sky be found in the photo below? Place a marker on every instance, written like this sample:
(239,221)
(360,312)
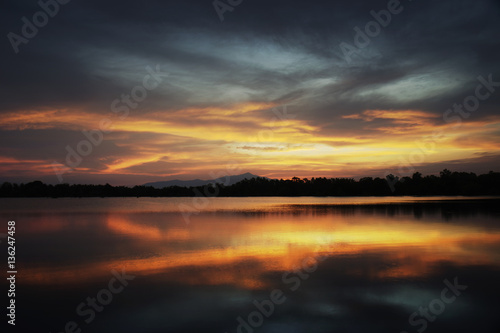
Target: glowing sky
(266,91)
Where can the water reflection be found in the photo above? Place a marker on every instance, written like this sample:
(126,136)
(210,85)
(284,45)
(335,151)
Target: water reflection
(383,261)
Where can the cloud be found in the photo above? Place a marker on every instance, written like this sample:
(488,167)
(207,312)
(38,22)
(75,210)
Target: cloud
(225,77)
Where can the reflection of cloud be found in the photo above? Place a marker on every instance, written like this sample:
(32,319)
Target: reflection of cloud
(145,232)
(278,245)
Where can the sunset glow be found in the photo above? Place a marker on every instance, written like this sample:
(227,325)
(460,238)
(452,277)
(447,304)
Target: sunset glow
(277,102)
(281,245)
(250,166)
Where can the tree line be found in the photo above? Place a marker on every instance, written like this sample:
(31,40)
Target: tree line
(447,183)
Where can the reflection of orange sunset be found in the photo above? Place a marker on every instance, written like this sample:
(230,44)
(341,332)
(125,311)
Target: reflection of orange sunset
(279,244)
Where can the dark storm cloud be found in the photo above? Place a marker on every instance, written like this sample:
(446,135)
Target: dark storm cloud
(83,54)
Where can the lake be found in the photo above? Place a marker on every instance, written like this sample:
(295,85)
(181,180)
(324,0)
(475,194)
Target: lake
(255,264)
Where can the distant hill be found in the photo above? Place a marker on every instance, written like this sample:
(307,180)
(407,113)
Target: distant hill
(229,180)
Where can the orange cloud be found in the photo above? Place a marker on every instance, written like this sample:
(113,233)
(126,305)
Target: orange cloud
(188,141)
(279,245)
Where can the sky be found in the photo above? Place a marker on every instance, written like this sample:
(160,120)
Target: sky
(131,92)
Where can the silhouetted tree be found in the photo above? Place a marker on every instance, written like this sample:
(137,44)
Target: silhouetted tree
(448,183)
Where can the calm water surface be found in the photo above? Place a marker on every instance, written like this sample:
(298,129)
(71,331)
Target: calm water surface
(256,264)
